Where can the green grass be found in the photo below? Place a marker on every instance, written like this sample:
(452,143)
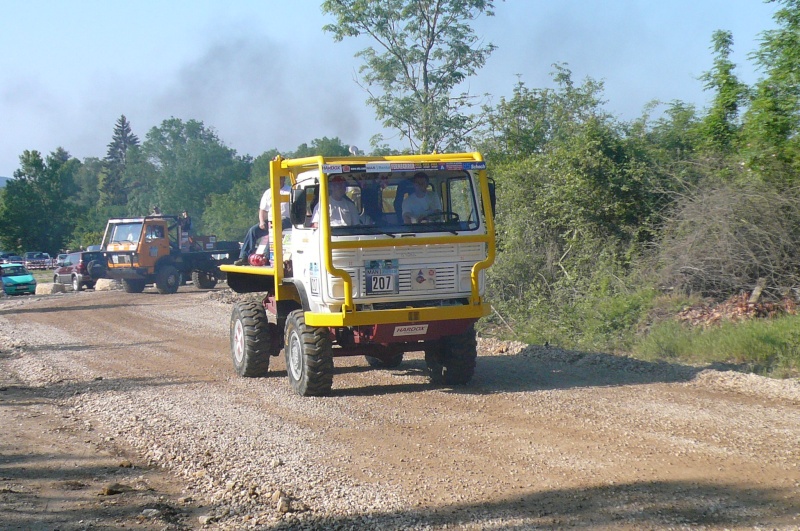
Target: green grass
(770,347)
(42,276)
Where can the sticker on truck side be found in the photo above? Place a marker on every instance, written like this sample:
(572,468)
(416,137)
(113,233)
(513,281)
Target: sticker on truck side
(411,330)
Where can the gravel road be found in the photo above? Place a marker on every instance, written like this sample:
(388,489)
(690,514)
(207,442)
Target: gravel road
(542,438)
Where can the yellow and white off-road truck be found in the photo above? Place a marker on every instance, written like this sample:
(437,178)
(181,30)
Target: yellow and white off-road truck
(378,286)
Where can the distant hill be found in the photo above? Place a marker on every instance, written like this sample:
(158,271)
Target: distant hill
(3,181)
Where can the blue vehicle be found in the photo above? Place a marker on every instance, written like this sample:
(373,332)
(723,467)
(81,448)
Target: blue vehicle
(17,280)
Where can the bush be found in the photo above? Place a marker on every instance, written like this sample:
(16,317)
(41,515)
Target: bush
(722,239)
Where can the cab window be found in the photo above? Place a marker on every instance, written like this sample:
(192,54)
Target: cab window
(154,232)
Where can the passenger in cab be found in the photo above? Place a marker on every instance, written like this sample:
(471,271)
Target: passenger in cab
(423,202)
(342,210)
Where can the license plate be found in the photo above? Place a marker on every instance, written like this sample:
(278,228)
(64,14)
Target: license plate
(381,284)
(381,276)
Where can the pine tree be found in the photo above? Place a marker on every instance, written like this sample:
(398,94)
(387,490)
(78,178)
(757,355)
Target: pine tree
(112,189)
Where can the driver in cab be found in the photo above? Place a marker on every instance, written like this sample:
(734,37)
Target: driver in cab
(422,203)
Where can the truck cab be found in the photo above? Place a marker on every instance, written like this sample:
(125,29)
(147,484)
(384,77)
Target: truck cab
(370,281)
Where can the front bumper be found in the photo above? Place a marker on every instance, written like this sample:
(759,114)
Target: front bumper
(127,273)
(19,289)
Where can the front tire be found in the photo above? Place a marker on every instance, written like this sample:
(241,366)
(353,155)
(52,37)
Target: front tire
(309,361)
(451,360)
(168,280)
(251,339)
(133,286)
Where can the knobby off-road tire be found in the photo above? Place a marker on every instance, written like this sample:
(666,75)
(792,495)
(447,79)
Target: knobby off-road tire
(251,339)
(451,359)
(168,279)
(387,363)
(133,286)
(309,361)
(203,280)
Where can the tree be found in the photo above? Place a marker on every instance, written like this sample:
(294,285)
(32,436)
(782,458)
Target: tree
(720,125)
(328,147)
(771,123)
(179,165)
(37,212)
(426,48)
(112,188)
(535,118)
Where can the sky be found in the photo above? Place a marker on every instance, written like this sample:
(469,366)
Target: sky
(262,73)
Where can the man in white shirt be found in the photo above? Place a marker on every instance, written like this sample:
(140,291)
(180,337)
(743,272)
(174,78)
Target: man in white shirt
(422,202)
(341,209)
(256,232)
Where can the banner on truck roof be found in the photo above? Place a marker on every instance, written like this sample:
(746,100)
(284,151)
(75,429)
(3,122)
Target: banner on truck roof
(387,167)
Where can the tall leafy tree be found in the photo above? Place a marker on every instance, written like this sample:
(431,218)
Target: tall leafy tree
(721,125)
(37,212)
(771,142)
(112,188)
(180,164)
(425,50)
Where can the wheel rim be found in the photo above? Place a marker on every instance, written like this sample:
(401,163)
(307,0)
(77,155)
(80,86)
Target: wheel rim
(238,342)
(75,284)
(295,356)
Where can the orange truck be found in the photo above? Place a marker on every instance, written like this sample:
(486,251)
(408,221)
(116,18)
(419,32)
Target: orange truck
(155,250)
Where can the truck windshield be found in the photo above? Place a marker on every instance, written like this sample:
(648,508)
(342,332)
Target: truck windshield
(126,232)
(410,202)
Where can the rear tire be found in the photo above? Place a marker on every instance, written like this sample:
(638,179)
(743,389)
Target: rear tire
(251,340)
(76,286)
(168,279)
(309,360)
(451,360)
(133,286)
(203,280)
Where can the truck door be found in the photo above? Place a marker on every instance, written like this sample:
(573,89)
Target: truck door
(155,244)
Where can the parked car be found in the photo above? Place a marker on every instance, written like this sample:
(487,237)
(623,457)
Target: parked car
(37,260)
(13,259)
(81,269)
(17,280)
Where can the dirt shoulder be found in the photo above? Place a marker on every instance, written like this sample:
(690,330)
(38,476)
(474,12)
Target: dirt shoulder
(58,472)
(112,391)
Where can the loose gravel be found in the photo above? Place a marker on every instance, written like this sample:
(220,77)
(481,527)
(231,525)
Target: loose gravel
(255,468)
